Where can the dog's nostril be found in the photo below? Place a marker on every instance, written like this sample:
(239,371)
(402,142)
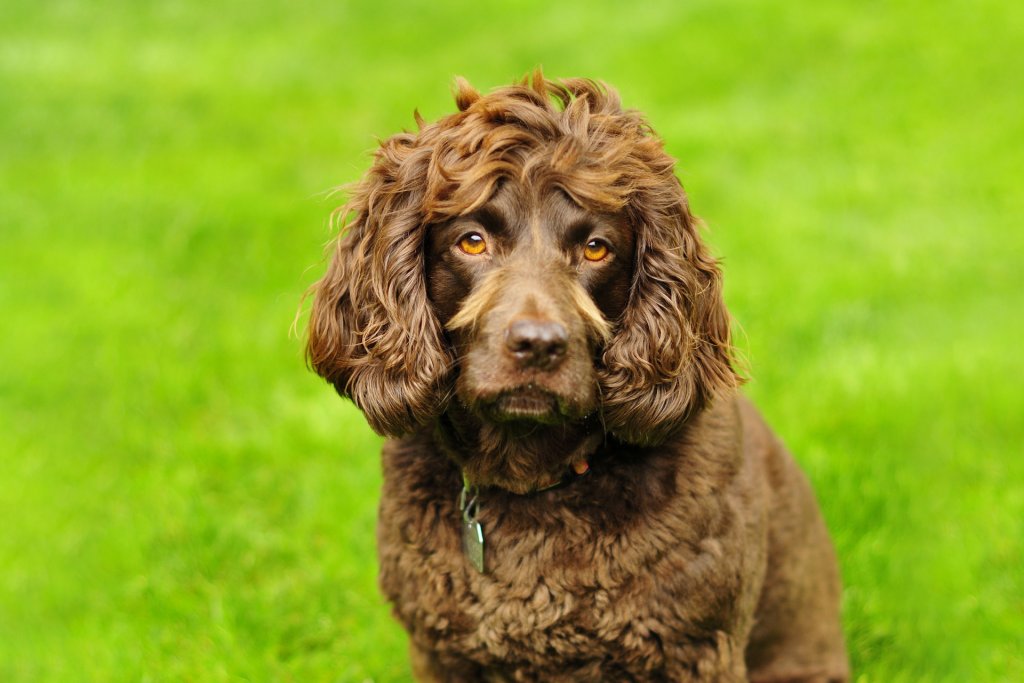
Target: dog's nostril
(536,342)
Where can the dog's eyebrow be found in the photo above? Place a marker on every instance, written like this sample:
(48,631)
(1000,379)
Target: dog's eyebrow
(580,229)
(489,217)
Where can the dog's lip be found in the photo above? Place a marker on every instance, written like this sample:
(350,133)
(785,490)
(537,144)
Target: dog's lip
(525,403)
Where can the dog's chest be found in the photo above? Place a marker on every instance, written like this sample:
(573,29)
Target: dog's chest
(542,599)
(564,594)
(633,590)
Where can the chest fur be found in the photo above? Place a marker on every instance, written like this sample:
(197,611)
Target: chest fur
(561,586)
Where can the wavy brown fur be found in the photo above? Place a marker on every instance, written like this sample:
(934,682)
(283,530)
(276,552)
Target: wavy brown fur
(694,549)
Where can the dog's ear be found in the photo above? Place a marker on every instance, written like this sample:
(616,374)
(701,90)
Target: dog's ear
(372,331)
(670,353)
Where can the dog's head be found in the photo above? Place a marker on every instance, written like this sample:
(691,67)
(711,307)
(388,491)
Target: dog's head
(531,256)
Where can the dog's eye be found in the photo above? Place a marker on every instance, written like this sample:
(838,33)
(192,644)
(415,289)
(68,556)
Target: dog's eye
(473,244)
(595,250)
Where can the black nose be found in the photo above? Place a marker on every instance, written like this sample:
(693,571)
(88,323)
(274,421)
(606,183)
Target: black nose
(537,343)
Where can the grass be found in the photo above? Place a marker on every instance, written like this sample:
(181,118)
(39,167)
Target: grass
(181,500)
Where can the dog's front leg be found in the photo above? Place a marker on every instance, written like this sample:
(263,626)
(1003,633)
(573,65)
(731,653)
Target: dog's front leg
(716,658)
(427,668)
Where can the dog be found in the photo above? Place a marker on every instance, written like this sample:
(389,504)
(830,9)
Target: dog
(574,490)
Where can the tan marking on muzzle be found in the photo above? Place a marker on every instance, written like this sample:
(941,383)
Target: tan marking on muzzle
(477,304)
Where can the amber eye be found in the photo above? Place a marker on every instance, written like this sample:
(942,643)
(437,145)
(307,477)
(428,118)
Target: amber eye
(473,244)
(595,250)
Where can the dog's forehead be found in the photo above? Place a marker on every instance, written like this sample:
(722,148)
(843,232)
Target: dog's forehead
(518,204)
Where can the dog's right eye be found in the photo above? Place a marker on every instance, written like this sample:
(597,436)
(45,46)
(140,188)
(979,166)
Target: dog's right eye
(595,250)
(473,244)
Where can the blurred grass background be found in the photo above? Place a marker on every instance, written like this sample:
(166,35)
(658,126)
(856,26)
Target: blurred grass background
(181,500)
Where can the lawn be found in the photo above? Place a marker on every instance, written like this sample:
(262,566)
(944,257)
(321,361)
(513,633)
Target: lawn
(181,500)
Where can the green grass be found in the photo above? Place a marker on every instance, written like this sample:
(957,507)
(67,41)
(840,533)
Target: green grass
(181,500)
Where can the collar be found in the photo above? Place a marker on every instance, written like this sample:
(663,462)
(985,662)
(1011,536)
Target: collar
(578,470)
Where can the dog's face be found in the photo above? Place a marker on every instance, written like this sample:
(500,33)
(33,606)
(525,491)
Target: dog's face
(527,285)
(529,260)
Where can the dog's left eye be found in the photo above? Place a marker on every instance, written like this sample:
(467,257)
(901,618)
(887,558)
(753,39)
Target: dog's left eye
(595,250)
(473,244)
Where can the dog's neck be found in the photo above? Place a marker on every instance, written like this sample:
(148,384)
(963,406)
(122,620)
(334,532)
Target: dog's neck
(518,457)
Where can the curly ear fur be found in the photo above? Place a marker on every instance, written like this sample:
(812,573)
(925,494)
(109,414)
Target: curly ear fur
(671,352)
(372,331)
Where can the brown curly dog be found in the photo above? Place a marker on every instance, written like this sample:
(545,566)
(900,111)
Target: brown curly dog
(574,490)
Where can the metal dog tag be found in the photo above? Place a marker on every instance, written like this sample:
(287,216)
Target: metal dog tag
(473,543)
(472,531)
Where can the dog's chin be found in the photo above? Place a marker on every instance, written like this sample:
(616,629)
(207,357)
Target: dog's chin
(527,405)
(520,438)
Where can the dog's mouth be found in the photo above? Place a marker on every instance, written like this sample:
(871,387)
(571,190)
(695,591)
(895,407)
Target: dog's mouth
(525,404)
